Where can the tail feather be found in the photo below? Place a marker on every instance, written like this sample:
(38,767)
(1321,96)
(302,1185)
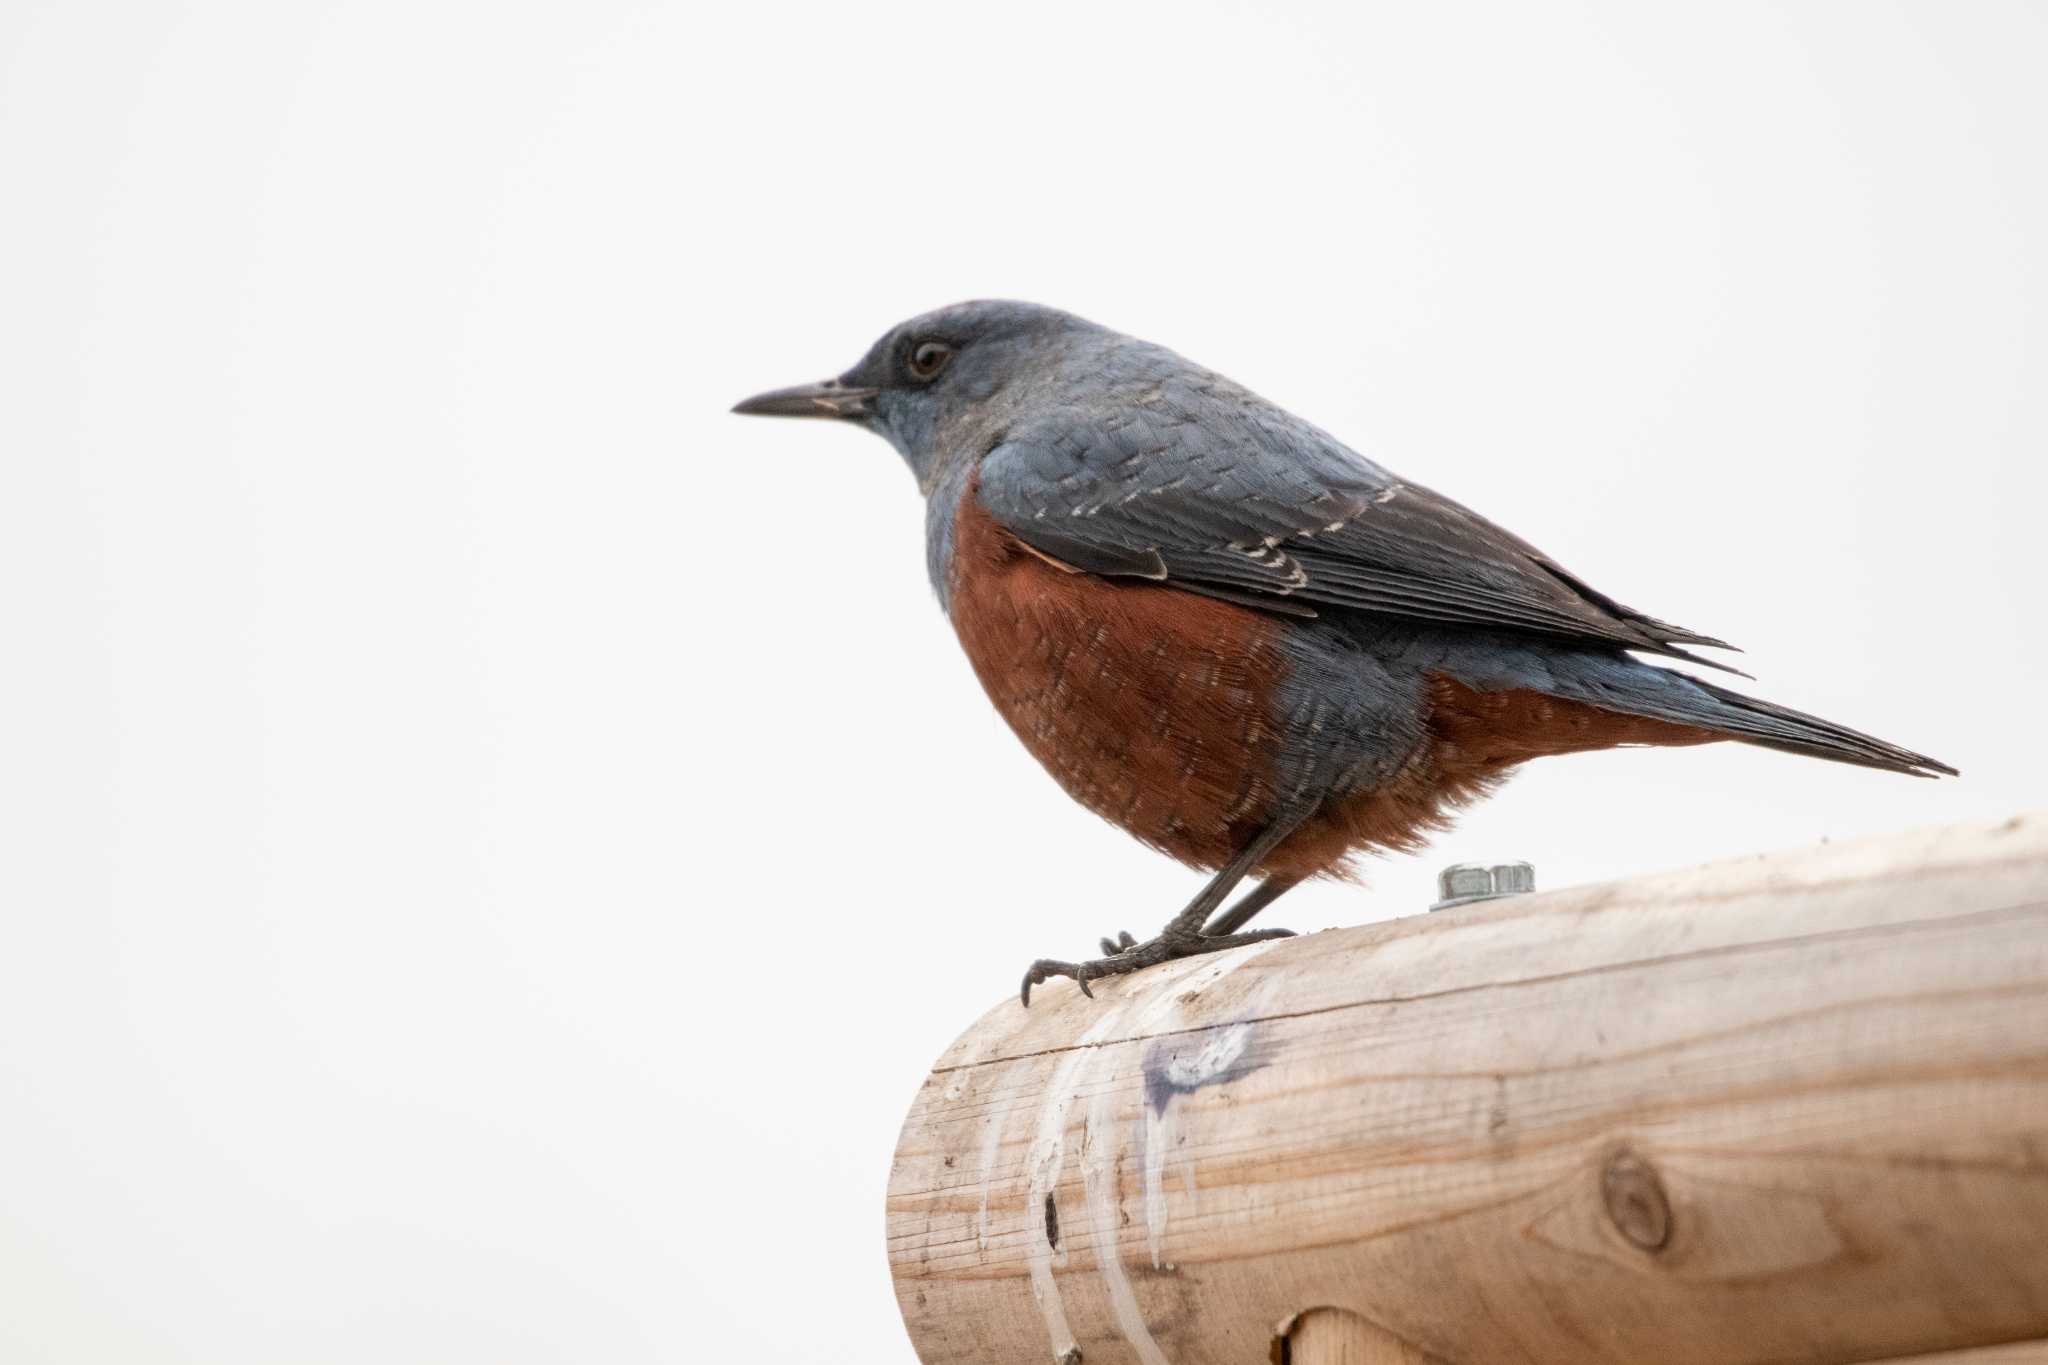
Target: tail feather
(1636,687)
(1764,723)
(1621,684)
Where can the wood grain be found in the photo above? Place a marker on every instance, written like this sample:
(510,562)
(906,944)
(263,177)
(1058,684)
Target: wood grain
(1790,1108)
(1331,1336)
(2015,1353)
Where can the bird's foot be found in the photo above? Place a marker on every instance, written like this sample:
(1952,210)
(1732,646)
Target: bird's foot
(1124,954)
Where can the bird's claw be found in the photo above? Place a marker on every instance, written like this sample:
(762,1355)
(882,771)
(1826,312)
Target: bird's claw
(1082,973)
(1042,971)
(1128,955)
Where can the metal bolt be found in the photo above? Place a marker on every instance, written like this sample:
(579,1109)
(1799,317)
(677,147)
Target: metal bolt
(1464,883)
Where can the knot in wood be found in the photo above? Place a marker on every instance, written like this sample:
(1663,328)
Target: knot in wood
(1635,1201)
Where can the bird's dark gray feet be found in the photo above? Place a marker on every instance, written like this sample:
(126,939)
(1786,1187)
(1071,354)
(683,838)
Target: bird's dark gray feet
(1123,954)
(1112,946)
(1190,932)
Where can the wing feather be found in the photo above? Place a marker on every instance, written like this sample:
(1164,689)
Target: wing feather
(1201,485)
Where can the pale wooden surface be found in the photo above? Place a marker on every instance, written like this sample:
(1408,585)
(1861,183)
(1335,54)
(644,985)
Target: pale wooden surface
(1790,1108)
(2018,1353)
(1331,1336)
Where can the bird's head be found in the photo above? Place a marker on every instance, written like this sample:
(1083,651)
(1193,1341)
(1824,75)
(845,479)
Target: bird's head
(931,384)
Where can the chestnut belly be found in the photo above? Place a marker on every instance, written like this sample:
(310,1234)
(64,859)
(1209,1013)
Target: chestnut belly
(1150,706)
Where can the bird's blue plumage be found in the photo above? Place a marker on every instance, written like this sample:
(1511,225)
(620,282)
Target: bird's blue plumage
(1230,632)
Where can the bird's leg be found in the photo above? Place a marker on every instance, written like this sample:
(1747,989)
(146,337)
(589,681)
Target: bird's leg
(1230,921)
(1184,935)
(1250,903)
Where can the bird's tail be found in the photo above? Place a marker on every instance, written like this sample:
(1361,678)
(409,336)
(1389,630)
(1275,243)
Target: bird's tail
(1771,726)
(1635,688)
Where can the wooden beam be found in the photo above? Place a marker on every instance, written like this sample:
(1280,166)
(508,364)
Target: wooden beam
(1790,1108)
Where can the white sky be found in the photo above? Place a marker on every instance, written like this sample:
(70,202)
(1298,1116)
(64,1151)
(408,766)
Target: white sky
(492,842)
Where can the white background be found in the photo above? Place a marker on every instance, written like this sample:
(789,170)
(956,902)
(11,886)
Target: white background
(491,841)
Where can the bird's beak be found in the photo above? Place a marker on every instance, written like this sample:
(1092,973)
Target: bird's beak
(829,399)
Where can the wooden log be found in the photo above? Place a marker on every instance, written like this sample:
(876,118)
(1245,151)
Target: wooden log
(1790,1108)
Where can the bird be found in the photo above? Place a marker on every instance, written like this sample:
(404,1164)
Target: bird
(1244,643)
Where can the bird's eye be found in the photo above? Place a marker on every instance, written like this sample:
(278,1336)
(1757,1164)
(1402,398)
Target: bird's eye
(929,358)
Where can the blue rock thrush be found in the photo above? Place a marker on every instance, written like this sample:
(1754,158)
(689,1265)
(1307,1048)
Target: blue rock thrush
(1246,644)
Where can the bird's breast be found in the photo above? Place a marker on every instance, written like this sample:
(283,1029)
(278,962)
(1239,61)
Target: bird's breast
(1152,707)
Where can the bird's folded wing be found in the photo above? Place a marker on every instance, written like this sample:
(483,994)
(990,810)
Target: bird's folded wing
(1263,509)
